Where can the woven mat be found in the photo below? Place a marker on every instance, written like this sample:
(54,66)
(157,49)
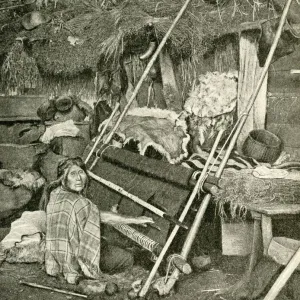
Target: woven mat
(241,189)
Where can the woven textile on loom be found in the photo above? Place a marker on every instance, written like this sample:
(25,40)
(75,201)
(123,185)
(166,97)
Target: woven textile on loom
(165,185)
(161,129)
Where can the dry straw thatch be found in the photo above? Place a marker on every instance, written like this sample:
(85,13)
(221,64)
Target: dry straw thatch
(107,30)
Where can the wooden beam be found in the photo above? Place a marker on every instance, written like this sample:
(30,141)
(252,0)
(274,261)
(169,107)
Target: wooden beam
(266,227)
(170,88)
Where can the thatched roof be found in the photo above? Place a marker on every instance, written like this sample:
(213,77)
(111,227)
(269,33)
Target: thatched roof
(106,31)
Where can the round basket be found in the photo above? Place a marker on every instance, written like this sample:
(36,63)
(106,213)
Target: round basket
(262,145)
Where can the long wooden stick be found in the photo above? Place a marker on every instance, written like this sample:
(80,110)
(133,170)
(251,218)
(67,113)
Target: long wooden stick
(284,276)
(148,68)
(52,289)
(198,219)
(195,192)
(102,132)
(136,199)
(15,6)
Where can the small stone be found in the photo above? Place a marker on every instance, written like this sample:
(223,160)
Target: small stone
(111,288)
(202,262)
(132,294)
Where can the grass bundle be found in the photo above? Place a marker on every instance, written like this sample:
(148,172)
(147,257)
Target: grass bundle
(19,71)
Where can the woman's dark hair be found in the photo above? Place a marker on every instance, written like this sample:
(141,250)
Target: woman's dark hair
(62,173)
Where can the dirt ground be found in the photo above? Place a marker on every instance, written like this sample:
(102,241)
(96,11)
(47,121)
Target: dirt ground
(223,273)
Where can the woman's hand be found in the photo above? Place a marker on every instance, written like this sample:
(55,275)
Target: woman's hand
(143,220)
(109,217)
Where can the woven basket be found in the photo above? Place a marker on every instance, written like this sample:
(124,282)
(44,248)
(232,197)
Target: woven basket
(262,145)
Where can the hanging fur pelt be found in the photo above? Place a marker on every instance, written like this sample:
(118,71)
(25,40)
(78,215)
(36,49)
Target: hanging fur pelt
(211,105)
(164,130)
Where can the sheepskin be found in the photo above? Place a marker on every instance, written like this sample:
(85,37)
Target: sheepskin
(210,104)
(25,241)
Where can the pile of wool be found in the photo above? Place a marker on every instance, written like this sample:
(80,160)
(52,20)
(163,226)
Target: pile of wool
(211,104)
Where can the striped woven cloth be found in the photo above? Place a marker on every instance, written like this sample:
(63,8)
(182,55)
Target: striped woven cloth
(236,161)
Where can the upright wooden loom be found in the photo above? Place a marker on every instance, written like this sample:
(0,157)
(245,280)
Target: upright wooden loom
(168,186)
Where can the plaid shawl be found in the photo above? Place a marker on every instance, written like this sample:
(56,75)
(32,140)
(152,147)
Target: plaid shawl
(73,236)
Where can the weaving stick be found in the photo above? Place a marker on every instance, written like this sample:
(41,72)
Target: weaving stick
(147,70)
(198,219)
(190,201)
(136,199)
(102,132)
(52,289)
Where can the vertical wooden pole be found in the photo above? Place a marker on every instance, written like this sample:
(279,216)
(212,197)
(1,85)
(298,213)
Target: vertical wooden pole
(255,249)
(148,67)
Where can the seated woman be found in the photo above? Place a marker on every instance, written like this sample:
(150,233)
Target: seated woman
(73,240)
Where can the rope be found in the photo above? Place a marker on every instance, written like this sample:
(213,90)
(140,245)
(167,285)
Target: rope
(98,156)
(227,140)
(171,264)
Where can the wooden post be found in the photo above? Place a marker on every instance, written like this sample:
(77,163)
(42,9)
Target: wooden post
(248,77)
(267,234)
(170,88)
(255,249)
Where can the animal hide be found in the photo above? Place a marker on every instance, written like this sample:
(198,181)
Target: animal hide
(210,104)
(31,180)
(25,241)
(164,130)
